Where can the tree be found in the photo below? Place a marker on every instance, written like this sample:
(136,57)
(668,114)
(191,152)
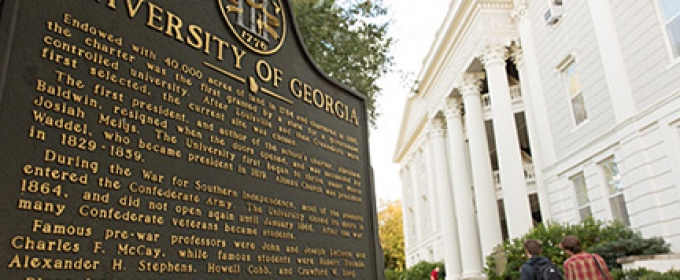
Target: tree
(391,231)
(348,40)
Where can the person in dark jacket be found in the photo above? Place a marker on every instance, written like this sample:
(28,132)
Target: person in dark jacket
(533,250)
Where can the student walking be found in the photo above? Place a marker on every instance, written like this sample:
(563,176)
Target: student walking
(582,265)
(538,267)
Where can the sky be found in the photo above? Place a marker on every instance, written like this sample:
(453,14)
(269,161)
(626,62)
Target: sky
(414,27)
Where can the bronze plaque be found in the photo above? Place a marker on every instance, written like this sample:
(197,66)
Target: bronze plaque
(177,140)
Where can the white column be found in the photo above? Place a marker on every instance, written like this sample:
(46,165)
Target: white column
(445,200)
(462,193)
(433,213)
(482,174)
(405,203)
(510,163)
(418,222)
(534,141)
(540,134)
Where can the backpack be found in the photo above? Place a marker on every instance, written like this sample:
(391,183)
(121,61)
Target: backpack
(547,271)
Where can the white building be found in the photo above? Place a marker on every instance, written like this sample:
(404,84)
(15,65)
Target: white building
(541,110)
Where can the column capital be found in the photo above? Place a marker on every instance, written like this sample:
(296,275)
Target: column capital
(473,77)
(403,169)
(408,160)
(494,53)
(517,54)
(453,109)
(471,83)
(438,127)
(520,11)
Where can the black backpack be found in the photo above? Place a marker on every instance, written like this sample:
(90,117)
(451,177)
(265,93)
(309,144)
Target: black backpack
(547,271)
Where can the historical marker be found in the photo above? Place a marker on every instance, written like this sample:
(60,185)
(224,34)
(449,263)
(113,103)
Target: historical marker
(176,140)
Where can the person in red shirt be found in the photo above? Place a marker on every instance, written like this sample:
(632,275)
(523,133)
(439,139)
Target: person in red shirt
(435,274)
(582,265)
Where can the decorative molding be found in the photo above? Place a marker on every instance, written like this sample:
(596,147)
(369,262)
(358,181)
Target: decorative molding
(517,54)
(495,4)
(453,108)
(438,127)
(494,53)
(474,77)
(521,10)
(471,84)
(408,160)
(565,62)
(498,22)
(568,60)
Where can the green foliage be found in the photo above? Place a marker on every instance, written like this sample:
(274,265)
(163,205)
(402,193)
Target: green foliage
(617,273)
(635,246)
(391,274)
(590,231)
(421,270)
(645,274)
(348,40)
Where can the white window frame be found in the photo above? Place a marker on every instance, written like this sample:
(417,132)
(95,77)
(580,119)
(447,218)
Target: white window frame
(564,66)
(582,202)
(614,191)
(673,46)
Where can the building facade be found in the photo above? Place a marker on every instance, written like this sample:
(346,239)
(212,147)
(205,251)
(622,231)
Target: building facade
(541,110)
